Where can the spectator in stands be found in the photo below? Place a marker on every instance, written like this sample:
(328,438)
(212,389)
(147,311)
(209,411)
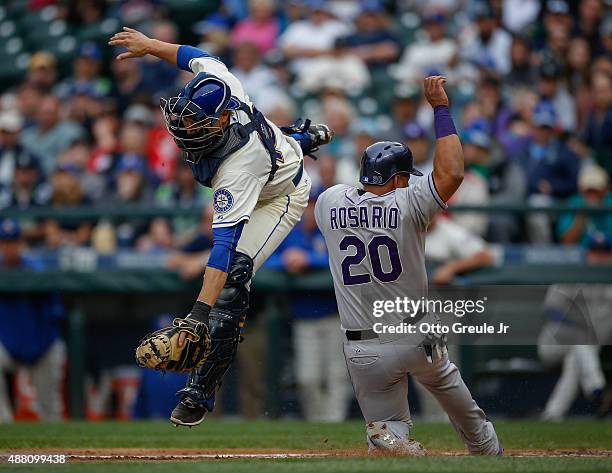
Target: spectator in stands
(590,16)
(485,43)
(256,78)
(556,18)
(158,238)
(260,28)
(551,169)
(341,72)
(87,67)
(326,172)
(67,191)
(27,187)
(474,190)
(51,135)
(363,134)
(339,114)
(105,131)
(551,90)
(183,191)
(160,76)
(507,186)
(521,70)
(319,366)
(86,12)
(129,83)
(434,53)
(419,143)
(11,124)
(405,107)
(27,102)
(145,135)
(132,187)
(29,334)
(131,180)
(77,157)
(454,249)
(598,130)
(589,231)
(83,106)
(132,143)
(213,32)
(494,109)
(578,62)
(42,73)
(189,260)
(518,15)
(306,40)
(373,42)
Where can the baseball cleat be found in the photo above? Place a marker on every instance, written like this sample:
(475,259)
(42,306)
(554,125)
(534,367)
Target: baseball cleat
(188,413)
(383,440)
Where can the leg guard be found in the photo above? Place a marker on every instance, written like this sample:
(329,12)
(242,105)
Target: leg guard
(225,323)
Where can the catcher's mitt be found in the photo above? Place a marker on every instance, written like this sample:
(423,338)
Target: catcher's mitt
(160,349)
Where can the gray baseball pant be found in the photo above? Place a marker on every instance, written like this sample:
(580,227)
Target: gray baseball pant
(379,374)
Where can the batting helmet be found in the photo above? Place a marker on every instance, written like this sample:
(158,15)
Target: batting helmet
(192,117)
(383,160)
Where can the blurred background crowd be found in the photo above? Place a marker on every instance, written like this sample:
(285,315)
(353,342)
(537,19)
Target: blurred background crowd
(530,83)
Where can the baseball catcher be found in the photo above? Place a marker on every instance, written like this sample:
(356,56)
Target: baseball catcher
(260,189)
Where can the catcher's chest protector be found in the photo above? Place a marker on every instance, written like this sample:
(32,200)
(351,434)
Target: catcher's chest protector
(225,323)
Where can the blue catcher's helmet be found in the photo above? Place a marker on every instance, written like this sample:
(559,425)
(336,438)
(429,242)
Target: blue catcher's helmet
(192,117)
(383,160)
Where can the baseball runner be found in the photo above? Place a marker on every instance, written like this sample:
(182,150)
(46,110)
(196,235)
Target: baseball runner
(260,189)
(376,239)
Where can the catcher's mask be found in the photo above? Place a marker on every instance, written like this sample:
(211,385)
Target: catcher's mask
(193,117)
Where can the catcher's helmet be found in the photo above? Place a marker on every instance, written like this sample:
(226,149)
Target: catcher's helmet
(383,160)
(192,117)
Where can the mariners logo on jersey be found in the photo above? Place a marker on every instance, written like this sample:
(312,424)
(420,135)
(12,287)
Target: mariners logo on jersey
(223,200)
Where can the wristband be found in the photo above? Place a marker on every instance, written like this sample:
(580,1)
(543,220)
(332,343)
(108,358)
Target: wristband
(200,312)
(443,122)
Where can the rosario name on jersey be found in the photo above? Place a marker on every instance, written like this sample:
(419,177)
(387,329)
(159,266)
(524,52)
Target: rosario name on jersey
(376,246)
(242,177)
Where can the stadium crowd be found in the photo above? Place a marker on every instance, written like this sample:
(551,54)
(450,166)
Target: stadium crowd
(531,85)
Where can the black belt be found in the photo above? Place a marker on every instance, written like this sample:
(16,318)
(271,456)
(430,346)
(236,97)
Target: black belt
(298,175)
(369,334)
(356,335)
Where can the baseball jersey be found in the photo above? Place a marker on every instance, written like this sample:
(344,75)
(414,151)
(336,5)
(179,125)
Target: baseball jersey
(241,180)
(376,246)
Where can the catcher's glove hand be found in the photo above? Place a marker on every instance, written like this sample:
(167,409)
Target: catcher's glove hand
(161,350)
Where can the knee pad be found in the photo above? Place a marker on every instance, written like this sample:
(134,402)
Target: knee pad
(226,320)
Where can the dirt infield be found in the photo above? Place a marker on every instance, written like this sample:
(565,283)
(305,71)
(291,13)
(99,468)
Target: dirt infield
(169,455)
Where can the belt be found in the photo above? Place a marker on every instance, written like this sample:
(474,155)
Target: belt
(369,334)
(298,175)
(356,335)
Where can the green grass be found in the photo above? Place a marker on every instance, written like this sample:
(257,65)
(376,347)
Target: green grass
(286,435)
(578,434)
(345,465)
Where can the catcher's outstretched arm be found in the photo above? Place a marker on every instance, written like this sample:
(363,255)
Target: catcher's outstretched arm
(448,158)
